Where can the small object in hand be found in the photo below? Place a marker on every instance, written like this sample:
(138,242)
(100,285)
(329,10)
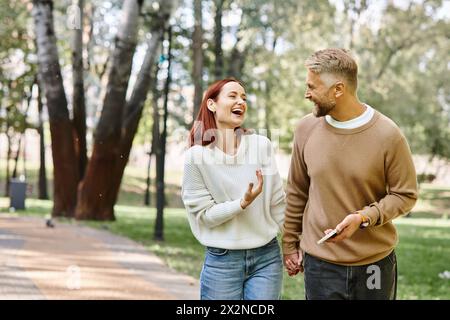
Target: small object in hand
(329,235)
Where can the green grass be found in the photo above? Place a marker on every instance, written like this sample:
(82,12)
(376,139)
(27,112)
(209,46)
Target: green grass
(423,251)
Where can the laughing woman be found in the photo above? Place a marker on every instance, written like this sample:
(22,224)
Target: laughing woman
(234,198)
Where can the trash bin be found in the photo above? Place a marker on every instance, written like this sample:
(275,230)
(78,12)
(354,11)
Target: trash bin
(17,193)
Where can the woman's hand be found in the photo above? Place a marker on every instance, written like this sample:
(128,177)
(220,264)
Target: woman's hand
(251,194)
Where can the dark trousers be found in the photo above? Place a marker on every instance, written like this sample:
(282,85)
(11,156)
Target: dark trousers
(328,281)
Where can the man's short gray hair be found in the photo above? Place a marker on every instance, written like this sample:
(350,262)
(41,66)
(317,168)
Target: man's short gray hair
(336,62)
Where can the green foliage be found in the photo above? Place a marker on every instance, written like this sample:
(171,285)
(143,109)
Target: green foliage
(404,75)
(17,66)
(402,50)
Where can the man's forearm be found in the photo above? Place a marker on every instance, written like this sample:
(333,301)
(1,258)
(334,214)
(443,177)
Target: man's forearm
(292,231)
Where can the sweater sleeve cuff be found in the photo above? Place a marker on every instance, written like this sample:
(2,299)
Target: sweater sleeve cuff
(221,213)
(289,248)
(235,206)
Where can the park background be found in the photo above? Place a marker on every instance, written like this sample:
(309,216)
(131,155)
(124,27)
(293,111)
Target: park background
(97,97)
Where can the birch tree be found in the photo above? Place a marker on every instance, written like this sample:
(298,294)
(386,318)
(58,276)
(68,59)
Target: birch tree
(65,168)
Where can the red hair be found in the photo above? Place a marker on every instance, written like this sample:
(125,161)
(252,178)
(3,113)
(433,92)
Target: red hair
(205,122)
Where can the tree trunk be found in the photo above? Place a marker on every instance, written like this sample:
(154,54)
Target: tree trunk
(197,43)
(237,58)
(43,194)
(24,155)
(134,107)
(88,32)
(78,100)
(16,157)
(268,93)
(237,63)
(148,182)
(218,29)
(8,140)
(95,192)
(155,129)
(154,132)
(22,134)
(161,154)
(8,157)
(267,108)
(64,164)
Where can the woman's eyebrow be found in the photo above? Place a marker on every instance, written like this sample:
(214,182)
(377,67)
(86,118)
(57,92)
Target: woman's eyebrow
(235,92)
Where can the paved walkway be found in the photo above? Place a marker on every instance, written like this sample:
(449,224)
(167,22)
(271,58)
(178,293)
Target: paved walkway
(77,262)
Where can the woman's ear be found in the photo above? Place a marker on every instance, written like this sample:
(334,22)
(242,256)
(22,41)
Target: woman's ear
(211,105)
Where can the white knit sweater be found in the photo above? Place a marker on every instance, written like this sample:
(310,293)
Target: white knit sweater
(214,184)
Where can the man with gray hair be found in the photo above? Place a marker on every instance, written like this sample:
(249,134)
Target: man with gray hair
(351,174)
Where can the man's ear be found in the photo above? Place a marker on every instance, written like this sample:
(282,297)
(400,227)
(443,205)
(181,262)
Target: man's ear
(211,106)
(339,89)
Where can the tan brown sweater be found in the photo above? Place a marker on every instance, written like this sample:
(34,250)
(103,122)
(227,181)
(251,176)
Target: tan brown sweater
(335,172)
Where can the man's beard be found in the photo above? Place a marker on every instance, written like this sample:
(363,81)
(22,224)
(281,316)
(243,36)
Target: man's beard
(323,108)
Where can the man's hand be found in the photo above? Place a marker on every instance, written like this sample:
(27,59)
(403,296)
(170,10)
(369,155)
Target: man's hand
(293,263)
(346,228)
(251,194)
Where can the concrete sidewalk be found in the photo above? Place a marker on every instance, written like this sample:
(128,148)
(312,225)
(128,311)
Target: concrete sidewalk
(77,262)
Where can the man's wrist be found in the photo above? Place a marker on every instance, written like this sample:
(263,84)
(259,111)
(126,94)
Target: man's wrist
(365,221)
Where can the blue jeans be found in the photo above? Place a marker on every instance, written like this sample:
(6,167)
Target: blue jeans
(251,274)
(328,281)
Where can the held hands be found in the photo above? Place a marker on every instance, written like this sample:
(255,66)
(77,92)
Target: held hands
(346,228)
(251,194)
(293,263)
